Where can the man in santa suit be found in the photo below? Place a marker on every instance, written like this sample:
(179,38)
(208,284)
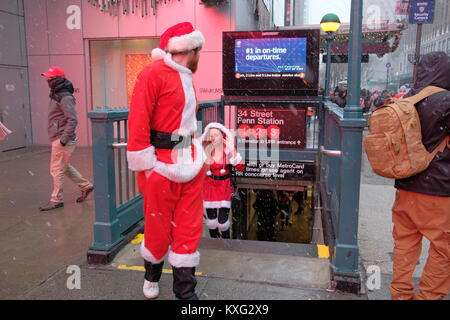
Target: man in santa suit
(169,161)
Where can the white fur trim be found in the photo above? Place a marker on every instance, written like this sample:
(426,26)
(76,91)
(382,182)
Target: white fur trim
(224,226)
(212,223)
(147,255)
(216,125)
(158,54)
(178,67)
(235,161)
(186,42)
(217,204)
(185,169)
(188,125)
(141,160)
(184,260)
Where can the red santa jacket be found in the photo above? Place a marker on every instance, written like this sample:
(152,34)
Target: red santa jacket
(164,100)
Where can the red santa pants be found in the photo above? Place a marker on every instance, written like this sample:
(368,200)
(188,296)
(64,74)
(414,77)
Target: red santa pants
(173,215)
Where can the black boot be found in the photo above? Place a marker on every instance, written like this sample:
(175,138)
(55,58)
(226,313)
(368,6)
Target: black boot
(184,283)
(153,271)
(214,233)
(226,234)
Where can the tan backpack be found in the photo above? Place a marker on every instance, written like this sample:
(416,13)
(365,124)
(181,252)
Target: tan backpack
(394,145)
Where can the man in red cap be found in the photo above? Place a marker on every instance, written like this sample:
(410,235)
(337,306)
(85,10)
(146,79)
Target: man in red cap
(62,122)
(169,161)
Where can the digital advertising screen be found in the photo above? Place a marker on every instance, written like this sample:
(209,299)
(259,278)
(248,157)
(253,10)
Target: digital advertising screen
(282,62)
(268,57)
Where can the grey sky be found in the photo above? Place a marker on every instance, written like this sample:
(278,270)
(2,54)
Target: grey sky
(318,8)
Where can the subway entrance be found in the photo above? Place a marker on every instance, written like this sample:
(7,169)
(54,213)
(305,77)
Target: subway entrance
(281,214)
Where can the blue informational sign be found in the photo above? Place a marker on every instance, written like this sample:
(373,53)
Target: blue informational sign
(277,55)
(421,11)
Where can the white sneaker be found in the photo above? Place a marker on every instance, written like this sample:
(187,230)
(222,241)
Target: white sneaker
(151,289)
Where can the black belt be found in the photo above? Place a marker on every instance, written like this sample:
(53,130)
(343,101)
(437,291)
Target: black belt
(219,177)
(164,140)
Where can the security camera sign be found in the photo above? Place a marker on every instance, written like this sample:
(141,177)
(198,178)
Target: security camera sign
(421,11)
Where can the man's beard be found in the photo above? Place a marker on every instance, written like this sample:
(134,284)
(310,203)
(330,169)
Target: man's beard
(193,63)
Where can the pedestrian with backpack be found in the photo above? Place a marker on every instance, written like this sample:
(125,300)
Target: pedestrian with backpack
(412,145)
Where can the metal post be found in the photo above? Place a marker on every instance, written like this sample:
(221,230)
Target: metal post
(417,53)
(387,78)
(346,260)
(106,226)
(328,67)
(353,109)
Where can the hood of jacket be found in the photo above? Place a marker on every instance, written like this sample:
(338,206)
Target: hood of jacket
(59,88)
(433,70)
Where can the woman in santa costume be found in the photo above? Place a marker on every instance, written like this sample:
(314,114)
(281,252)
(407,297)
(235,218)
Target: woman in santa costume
(169,161)
(221,155)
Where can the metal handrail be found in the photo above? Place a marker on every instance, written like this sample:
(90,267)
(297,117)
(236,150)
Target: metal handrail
(332,153)
(119,145)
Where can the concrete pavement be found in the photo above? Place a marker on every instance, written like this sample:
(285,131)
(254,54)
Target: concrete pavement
(38,247)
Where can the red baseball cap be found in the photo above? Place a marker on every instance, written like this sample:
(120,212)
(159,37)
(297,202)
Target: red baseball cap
(54,72)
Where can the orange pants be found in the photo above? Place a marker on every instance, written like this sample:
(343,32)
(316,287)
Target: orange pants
(415,216)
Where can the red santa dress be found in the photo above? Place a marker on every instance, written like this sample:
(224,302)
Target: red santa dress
(217,188)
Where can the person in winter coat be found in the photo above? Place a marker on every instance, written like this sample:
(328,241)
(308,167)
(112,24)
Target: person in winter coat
(220,157)
(62,122)
(422,204)
(341,98)
(266,207)
(169,160)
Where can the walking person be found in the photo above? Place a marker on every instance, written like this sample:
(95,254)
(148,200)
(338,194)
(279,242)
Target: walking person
(169,161)
(221,156)
(422,204)
(62,123)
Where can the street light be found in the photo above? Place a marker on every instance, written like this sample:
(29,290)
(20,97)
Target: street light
(330,23)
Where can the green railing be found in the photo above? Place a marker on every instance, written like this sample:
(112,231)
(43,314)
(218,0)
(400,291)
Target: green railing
(118,204)
(340,152)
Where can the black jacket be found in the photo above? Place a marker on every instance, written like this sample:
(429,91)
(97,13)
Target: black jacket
(434,113)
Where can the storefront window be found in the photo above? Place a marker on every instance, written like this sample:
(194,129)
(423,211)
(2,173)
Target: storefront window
(115,64)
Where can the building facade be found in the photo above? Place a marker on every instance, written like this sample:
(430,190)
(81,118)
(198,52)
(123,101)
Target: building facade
(14,99)
(435,37)
(102,49)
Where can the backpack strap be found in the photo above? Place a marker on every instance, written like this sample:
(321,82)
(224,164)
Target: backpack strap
(441,147)
(425,93)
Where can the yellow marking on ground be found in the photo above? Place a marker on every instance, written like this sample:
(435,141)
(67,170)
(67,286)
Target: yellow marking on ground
(141,268)
(134,268)
(138,239)
(323,251)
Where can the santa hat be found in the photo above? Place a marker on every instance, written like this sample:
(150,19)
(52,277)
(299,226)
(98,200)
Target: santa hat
(181,37)
(218,126)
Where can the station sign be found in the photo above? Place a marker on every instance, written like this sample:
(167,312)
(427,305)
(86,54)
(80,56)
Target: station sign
(278,170)
(284,126)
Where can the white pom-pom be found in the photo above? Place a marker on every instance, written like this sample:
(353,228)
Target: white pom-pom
(158,54)
(208,173)
(222,171)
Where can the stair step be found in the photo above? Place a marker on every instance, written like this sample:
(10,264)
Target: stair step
(282,264)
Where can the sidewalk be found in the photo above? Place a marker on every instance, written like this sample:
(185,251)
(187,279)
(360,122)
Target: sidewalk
(38,247)
(221,275)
